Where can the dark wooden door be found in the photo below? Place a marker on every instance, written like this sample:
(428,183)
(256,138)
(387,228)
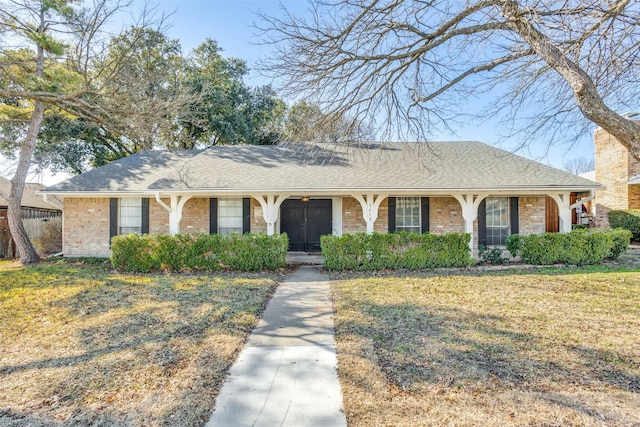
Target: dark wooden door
(292,222)
(552,217)
(305,222)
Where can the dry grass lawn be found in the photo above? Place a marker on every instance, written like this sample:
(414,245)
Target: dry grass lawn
(82,345)
(560,348)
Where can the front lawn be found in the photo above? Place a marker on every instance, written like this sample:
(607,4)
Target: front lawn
(555,348)
(82,345)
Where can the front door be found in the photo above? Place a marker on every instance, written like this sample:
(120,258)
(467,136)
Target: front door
(305,222)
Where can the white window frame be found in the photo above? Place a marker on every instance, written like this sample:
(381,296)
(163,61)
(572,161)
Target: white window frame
(409,214)
(498,220)
(130,215)
(230,216)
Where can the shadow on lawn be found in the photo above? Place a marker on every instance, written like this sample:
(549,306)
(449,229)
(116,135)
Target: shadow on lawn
(188,318)
(415,346)
(160,340)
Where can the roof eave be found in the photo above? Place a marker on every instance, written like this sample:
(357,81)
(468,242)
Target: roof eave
(327,191)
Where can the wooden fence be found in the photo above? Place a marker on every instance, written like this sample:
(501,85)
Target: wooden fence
(34,223)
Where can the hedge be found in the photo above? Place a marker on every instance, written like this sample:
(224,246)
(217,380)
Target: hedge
(579,247)
(198,252)
(627,219)
(396,250)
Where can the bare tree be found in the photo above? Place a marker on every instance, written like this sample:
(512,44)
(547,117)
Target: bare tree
(307,123)
(551,66)
(579,165)
(53,55)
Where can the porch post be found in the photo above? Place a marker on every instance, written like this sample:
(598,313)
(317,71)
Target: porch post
(469,204)
(175,210)
(270,209)
(370,207)
(564,210)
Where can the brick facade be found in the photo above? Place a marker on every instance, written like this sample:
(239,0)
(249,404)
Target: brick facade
(158,217)
(85,230)
(614,167)
(258,224)
(195,216)
(532,218)
(353,221)
(445,215)
(86,220)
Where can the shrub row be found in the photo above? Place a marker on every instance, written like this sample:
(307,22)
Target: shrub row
(579,247)
(627,219)
(397,250)
(198,252)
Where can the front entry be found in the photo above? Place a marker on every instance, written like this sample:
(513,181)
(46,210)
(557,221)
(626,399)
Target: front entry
(305,222)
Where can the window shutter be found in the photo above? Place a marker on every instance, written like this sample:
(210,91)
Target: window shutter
(424,212)
(113,218)
(391,203)
(482,223)
(514,215)
(145,216)
(213,216)
(246,215)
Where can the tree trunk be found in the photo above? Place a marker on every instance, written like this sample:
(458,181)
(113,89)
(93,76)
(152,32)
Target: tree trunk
(28,254)
(585,92)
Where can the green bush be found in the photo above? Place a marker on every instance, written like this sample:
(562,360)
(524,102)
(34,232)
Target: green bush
(491,255)
(379,251)
(579,247)
(199,252)
(627,219)
(132,252)
(513,244)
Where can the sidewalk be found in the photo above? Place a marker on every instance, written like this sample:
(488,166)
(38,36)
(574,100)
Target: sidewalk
(286,375)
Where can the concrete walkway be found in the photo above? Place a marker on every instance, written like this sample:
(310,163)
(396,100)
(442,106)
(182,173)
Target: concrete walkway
(286,375)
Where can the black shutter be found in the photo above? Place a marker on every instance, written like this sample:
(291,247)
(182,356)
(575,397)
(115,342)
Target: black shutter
(482,223)
(424,212)
(113,218)
(515,216)
(391,203)
(246,215)
(145,216)
(213,216)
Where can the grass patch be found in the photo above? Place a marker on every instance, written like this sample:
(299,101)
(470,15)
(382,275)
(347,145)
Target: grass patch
(553,347)
(82,345)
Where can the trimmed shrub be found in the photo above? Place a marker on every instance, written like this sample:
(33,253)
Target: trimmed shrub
(132,252)
(579,247)
(513,244)
(379,251)
(199,252)
(491,255)
(627,219)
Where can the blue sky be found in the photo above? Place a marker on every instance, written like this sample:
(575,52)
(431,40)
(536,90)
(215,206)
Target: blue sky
(230,23)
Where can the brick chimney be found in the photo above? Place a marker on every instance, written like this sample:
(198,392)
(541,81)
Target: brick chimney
(614,167)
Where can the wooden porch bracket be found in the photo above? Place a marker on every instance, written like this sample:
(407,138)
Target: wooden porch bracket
(175,210)
(370,207)
(469,204)
(270,209)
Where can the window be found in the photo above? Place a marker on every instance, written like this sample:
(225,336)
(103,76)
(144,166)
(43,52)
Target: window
(130,216)
(408,214)
(498,221)
(229,216)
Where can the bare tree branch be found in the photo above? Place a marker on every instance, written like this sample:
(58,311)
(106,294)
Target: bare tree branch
(415,65)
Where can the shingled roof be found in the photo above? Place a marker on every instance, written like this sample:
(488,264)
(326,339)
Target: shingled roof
(300,168)
(29,197)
